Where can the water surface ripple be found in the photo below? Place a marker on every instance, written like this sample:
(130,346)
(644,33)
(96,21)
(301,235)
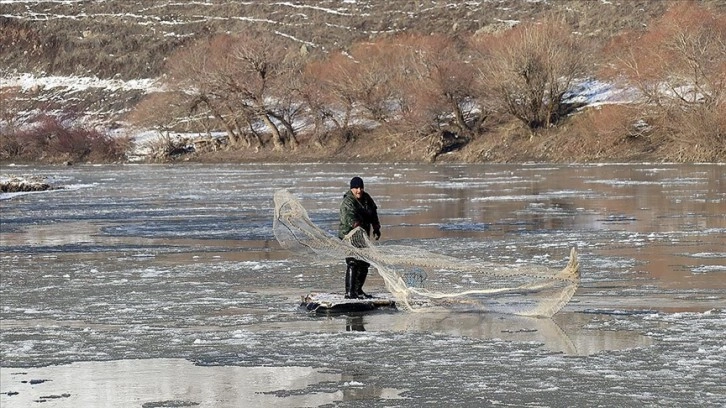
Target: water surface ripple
(162,285)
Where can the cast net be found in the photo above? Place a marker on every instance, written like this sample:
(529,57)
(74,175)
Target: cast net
(421,279)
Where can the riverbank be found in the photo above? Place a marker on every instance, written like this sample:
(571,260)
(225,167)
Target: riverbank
(509,144)
(582,139)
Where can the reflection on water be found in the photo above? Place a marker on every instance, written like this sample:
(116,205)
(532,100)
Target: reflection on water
(170,383)
(568,333)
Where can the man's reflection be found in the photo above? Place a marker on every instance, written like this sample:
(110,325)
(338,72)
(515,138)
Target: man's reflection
(354,323)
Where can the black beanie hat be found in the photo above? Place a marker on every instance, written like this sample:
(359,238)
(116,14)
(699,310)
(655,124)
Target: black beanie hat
(356,182)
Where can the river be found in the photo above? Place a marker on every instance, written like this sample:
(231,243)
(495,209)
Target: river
(163,286)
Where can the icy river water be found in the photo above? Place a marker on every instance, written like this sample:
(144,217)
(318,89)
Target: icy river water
(163,286)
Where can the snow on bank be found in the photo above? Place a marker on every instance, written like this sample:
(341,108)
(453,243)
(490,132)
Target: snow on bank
(590,92)
(29,81)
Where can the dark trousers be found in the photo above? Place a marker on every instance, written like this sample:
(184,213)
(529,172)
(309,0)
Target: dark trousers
(355,276)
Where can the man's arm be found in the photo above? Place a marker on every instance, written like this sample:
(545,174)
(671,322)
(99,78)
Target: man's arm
(375,223)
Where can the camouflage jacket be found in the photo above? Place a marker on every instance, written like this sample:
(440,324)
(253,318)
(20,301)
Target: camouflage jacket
(353,213)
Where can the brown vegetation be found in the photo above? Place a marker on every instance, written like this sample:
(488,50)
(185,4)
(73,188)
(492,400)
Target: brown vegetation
(427,90)
(60,140)
(679,66)
(391,80)
(531,68)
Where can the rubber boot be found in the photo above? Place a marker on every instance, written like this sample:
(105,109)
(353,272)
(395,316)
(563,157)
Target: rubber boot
(350,282)
(361,274)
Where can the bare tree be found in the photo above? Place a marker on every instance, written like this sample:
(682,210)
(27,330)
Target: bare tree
(329,94)
(193,76)
(259,64)
(242,81)
(531,68)
(370,80)
(436,83)
(347,85)
(679,66)
(316,98)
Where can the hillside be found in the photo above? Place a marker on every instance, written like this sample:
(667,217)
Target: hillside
(94,62)
(130,39)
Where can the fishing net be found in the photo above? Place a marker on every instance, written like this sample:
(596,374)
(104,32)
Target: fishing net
(421,279)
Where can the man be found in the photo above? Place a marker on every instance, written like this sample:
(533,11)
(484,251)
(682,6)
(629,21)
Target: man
(357,210)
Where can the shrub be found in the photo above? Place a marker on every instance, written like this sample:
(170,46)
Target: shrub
(166,147)
(608,132)
(52,139)
(531,68)
(679,68)
(238,80)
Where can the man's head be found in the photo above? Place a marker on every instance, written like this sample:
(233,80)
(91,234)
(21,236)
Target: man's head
(356,186)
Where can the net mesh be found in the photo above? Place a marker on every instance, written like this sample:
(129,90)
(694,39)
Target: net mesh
(420,279)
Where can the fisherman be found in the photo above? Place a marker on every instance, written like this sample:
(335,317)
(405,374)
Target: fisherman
(357,210)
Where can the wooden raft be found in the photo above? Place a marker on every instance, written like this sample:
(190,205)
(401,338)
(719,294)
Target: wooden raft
(335,303)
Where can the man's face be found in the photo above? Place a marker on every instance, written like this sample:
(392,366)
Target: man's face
(357,192)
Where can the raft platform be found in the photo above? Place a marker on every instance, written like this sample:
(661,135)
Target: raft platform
(332,303)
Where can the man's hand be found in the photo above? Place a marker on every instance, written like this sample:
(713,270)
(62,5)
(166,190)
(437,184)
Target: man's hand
(377,234)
